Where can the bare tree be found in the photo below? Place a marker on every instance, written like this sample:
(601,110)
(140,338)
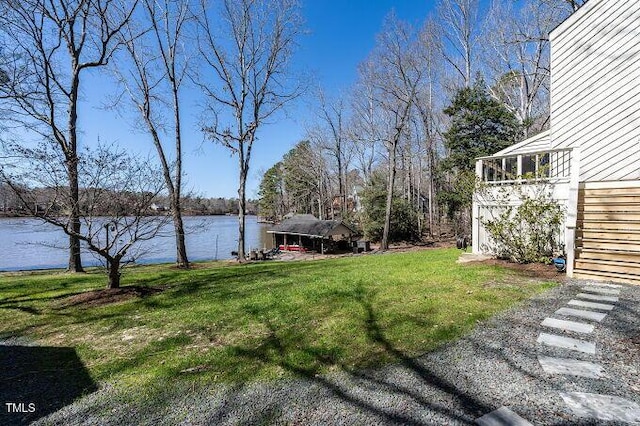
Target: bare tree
(329,134)
(429,110)
(460,31)
(571,5)
(517,54)
(53,44)
(365,123)
(4,60)
(246,48)
(393,74)
(156,51)
(115,196)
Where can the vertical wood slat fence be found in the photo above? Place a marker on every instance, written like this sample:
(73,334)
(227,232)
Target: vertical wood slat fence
(608,232)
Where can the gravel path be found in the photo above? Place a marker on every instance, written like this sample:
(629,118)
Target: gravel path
(496,365)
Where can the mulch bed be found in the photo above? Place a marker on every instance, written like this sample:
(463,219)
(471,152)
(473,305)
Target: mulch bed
(535,270)
(108,295)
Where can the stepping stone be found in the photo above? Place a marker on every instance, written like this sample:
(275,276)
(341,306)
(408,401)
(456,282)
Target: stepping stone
(578,327)
(567,343)
(596,316)
(571,367)
(602,407)
(593,305)
(597,297)
(601,290)
(502,417)
(599,284)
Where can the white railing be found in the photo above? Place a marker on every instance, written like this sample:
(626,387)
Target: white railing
(552,165)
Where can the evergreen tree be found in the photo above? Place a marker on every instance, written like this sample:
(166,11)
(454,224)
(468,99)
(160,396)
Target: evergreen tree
(300,179)
(270,193)
(293,185)
(480,126)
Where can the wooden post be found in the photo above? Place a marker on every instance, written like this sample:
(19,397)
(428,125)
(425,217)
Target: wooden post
(572,211)
(475,213)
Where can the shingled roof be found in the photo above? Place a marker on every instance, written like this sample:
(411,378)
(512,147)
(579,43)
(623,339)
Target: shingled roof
(308,225)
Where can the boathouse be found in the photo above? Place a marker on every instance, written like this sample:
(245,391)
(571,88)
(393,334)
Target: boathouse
(304,232)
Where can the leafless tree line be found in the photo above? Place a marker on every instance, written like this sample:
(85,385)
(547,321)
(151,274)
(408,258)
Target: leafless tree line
(236,51)
(238,54)
(392,120)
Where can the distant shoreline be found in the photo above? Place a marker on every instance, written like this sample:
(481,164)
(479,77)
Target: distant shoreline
(190,214)
(30,243)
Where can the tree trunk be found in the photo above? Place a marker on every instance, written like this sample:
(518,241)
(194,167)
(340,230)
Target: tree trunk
(384,245)
(113,265)
(173,187)
(75,260)
(341,182)
(418,198)
(71,156)
(241,209)
(181,256)
(432,192)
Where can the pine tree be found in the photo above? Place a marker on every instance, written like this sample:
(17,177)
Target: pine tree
(300,179)
(270,193)
(480,126)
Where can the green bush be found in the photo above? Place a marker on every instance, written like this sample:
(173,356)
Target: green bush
(404,218)
(529,232)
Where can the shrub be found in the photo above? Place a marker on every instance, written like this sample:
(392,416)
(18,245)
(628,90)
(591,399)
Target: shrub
(404,218)
(529,232)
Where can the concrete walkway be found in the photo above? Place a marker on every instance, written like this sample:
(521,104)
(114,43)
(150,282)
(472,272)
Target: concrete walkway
(592,303)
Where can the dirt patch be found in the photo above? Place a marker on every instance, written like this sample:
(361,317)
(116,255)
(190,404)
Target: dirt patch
(194,265)
(375,249)
(534,270)
(108,295)
(426,245)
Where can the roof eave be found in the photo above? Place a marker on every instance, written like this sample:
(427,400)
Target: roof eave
(296,233)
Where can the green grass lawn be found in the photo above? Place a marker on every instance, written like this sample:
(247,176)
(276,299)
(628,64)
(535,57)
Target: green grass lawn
(262,321)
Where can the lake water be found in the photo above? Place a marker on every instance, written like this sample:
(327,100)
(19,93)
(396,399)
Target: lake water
(33,244)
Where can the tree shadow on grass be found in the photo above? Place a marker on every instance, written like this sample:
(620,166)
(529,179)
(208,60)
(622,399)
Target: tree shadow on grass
(18,302)
(274,350)
(38,380)
(238,281)
(26,309)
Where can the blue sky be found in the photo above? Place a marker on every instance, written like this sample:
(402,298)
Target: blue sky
(341,33)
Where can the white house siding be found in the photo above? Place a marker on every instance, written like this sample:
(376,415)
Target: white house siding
(595,96)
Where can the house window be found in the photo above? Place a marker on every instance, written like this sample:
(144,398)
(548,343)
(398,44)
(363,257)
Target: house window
(487,171)
(528,165)
(497,170)
(544,166)
(492,170)
(531,166)
(511,168)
